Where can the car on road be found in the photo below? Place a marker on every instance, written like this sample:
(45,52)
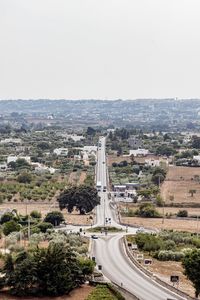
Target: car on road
(140,230)
(93,236)
(104,189)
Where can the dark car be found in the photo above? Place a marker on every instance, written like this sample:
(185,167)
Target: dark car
(95,237)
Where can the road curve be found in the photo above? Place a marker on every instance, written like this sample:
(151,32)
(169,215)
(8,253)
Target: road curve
(118,268)
(109,253)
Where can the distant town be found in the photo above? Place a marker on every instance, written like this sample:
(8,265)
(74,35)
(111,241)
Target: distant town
(163,114)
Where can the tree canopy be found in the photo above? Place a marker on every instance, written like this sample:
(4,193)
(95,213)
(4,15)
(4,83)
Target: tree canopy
(191,264)
(51,271)
(83,198)
(54,217)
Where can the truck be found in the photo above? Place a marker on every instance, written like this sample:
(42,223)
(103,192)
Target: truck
(98,186)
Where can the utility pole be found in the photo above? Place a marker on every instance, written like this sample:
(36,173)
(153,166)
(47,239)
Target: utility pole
(104,213)
(29,229)
(197,226)
(163,212)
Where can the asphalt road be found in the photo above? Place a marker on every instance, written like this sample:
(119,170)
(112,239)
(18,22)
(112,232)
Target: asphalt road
(116,266)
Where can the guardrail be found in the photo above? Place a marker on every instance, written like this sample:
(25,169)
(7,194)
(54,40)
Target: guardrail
(151,275)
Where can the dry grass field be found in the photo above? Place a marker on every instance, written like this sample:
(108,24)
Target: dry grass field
(167,210)
(78,294)
(178,183)
(164,269)
(156,223)
(44,208)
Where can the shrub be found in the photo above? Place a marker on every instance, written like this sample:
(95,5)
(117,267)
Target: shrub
(24,178)
(36,214)
(182,213)
(54,217)
(10,227)
(169,245)
(166,255)
(44,226)
(147,210)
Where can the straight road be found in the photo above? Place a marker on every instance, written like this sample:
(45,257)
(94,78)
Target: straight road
(116,266)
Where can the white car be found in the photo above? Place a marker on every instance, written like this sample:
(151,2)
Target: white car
(140,230)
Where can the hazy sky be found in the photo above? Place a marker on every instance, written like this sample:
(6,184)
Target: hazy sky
(99,49)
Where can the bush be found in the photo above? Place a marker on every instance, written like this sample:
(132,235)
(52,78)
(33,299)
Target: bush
(24,178)
(44,226)
(165,255)
(36,214)
(54,217)
(10,227)
(148,242)
(6,217)
(182,213)
(147,210)
(169,245)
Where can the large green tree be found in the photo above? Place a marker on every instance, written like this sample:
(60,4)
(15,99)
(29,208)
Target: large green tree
(191,264)
(10,226)
(83,198)
(54,217)
(51,271)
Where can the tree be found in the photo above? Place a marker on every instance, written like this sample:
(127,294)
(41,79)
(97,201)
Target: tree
(36,214)
(132,158)
(10,226)
(182,213)
(157,178)
(196,142)
(165,150)
(54,217)
(83,198)
(43,145)
(20,163)
(44,226)
(51,271)
(192,192)
(24,178)
(147,210)
(90,131)
(6,217)
(191,264)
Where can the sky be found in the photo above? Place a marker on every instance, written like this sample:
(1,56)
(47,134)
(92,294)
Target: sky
(99,49)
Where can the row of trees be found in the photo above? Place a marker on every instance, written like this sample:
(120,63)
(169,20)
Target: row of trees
(51,271)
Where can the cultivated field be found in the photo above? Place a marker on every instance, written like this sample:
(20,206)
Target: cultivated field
(178,183)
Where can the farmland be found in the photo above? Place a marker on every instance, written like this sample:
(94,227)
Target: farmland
(178,183)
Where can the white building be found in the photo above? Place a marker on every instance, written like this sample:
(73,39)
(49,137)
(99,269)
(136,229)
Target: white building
(152,162)
(61,151)
(139,152)
(74,137)
(11,141)
(197,157)
(44,169)
(90,149)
